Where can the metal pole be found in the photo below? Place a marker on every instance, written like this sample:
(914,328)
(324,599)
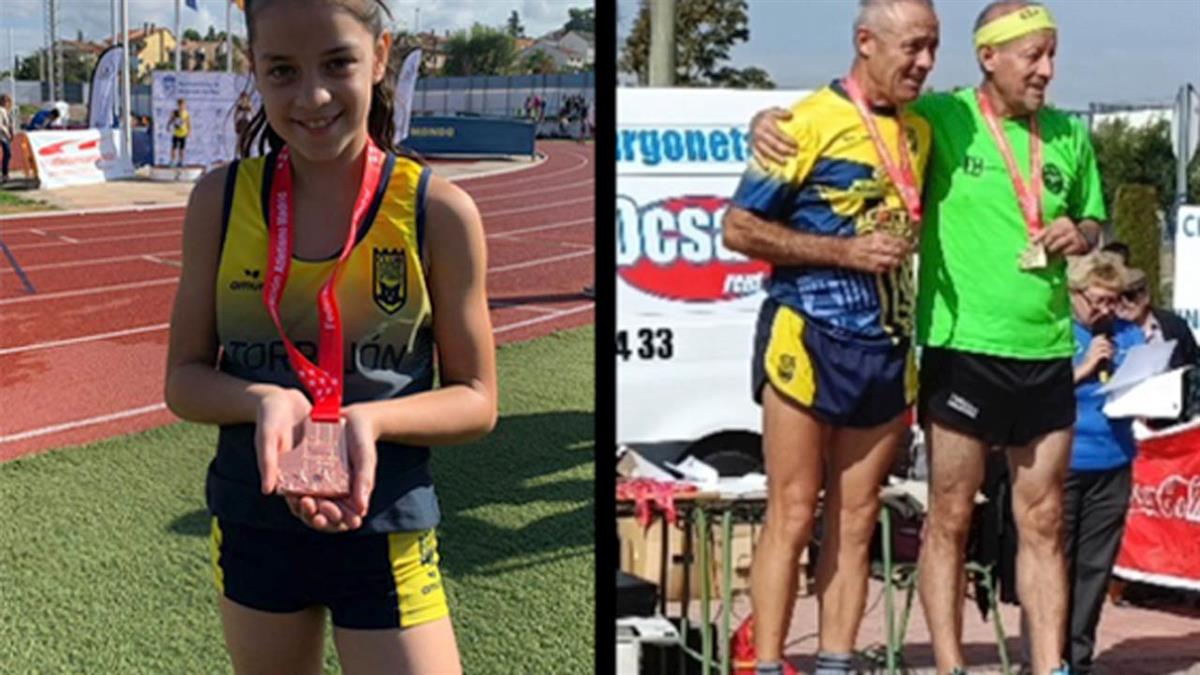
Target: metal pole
(229,36)
(662,43)
(1184,111)
(12,74)
(112,15)
(178,38)
(126,96)
(51,35)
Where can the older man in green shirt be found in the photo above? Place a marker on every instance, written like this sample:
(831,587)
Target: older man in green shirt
(1011,188)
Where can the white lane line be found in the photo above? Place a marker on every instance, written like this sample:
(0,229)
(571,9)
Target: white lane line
(538,228)
(85,338)
(546,190)
(36,231)
(501,304)
(88,212)
(67,426)
(92,261)
(99,240)
(160,261)
(541,319)
(144,410)
(91,226)
(88,291)
(538,207)
(176,232)
(540,261)
(530,179)
(170,280)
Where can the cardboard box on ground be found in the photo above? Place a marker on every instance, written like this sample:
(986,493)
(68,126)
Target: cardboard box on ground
(641,556)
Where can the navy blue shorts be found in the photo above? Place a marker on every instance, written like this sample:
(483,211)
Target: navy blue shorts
(371,581)
(846,384)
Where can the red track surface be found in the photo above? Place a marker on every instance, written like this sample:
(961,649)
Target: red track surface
(83,358)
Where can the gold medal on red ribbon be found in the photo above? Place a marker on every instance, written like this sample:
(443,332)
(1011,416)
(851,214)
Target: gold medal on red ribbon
(319,464)
(1028,195)
(901,175)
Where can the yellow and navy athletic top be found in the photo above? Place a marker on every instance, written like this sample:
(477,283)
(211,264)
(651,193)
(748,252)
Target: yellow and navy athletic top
(837,185)
(387,333)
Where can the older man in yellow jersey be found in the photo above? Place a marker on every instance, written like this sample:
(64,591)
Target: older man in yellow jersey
(1012,188)
(833,366)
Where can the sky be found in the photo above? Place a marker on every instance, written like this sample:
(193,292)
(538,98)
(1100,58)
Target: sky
(25,17)
(1109,51)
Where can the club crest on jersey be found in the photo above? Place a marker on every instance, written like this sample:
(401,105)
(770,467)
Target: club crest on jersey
(389,279)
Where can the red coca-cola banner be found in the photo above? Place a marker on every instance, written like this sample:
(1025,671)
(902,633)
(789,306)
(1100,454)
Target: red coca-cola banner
(1162,531)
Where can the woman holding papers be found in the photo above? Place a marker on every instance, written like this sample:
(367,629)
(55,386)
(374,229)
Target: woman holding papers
(1096,493)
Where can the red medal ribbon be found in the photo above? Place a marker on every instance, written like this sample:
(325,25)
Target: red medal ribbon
(902,176)
(1029,195)
(325,381)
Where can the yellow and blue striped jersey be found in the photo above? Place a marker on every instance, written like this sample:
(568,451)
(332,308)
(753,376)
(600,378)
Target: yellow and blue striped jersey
(836,185)
(387,337)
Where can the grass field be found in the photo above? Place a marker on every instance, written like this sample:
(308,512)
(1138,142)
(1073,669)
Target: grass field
(104,565)
(10,203)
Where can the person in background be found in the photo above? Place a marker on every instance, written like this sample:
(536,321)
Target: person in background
(45,119)
(1096,494)
(180,125)
(1157,324)
(8,129)
(242,113)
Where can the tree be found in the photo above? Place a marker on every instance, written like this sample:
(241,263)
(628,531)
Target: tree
(194,35)
(482,51)
(581,19)
(705,32)
(1140,155)
(538,62)
(212,35)
(745,78)
(1135,222)
(515,29)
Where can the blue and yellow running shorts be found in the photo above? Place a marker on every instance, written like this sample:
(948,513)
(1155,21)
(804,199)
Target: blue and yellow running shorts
(845,383)
(372,581)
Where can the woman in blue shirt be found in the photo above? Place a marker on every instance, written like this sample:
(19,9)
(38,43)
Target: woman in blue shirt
(1096,495)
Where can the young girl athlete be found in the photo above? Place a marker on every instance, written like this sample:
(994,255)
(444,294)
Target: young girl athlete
(413,276)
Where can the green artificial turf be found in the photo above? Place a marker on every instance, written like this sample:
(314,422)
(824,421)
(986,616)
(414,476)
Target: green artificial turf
(104,564)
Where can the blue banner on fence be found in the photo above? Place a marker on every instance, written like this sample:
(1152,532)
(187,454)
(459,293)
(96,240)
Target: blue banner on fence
(470,136)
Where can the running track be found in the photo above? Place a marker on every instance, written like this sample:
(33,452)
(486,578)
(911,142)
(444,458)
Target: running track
(82,358)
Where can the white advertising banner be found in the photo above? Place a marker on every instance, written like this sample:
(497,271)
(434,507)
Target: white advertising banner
(102,95)
(83,157)
(406,85)
(1187,272)
(211,98)
(686,305)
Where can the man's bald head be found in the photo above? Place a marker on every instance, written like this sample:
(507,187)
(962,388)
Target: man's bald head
(999,8)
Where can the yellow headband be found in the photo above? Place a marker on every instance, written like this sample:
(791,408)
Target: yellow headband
(1014,25)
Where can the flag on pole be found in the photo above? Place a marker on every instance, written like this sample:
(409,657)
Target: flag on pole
(192,4)
(406,85)
(102,94)
(240,3)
